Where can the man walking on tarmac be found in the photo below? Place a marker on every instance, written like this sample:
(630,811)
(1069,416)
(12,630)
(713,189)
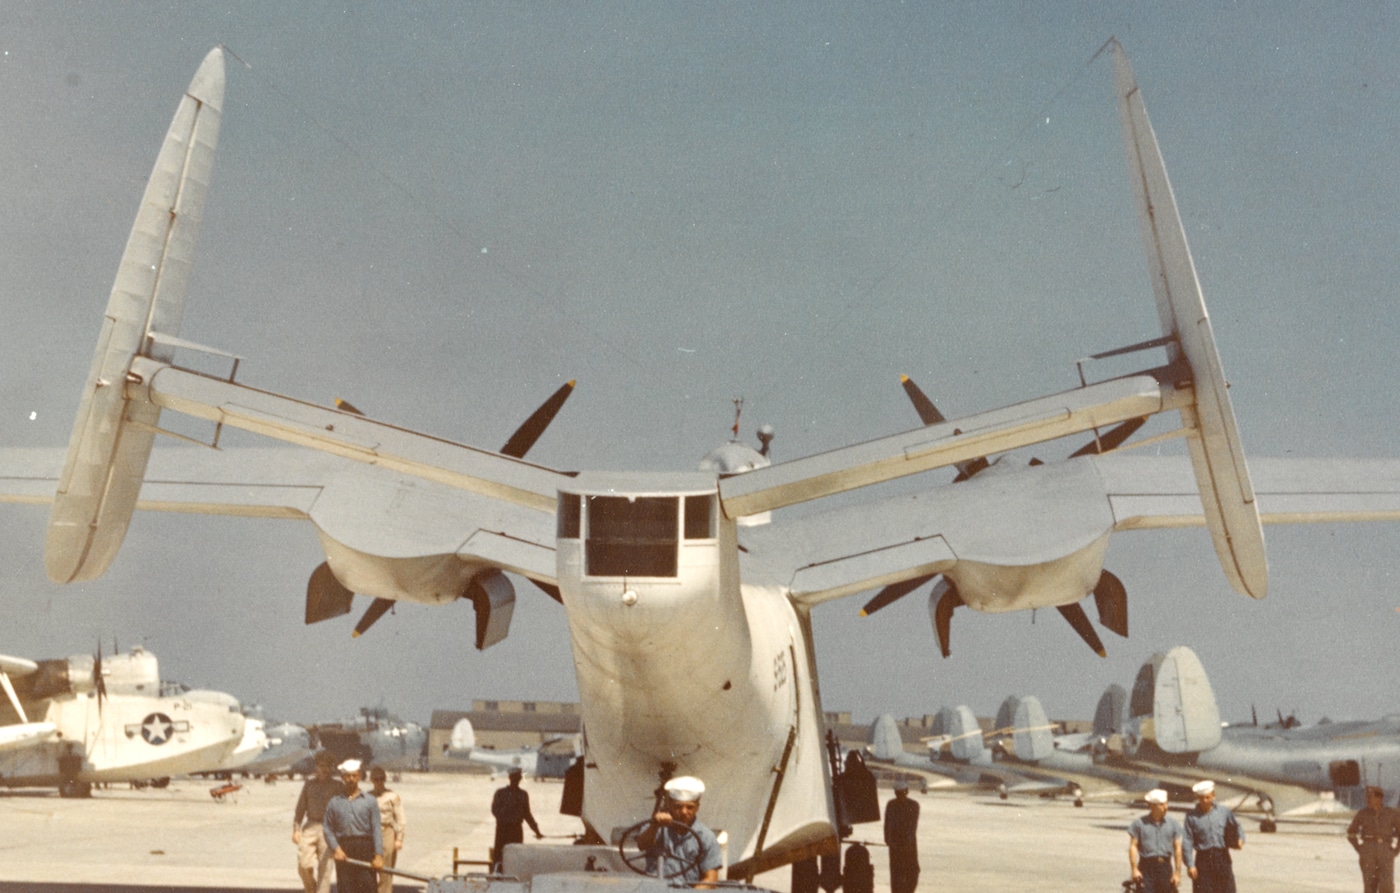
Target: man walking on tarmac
(511,807)
(313,856)
(353,831)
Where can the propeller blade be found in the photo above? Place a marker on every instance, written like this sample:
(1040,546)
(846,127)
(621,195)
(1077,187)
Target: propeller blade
(529,432)
(941,601)
(377,608)
(892,593)
(1112,440)
(99,682)
(346,406)
(928,413)
(1080,621)
(1111,600)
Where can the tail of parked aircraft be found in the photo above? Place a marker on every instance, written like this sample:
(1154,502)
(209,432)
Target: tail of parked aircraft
(1109,714)
(964,734)
(885,740)
(1173,704)
(463,737)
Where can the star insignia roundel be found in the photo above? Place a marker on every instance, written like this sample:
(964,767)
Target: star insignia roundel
(156,728)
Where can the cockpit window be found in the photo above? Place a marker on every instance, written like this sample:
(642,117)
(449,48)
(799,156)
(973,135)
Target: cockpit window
(635,537)
(569,511)
(699,518)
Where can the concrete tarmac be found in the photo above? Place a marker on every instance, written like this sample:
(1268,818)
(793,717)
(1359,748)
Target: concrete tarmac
(181,838)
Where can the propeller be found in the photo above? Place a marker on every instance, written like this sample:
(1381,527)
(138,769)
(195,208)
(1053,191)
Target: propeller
(99,681)
(1110,596)
(516,447)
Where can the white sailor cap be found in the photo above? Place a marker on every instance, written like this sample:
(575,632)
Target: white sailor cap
(1157,796)
(349,766)
(685,789)
(1201,788)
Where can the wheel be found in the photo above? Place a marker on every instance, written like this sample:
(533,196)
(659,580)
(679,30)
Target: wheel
(162,782)
(637,859)
(1268,826)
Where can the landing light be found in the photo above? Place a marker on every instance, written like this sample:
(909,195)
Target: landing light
(629,597)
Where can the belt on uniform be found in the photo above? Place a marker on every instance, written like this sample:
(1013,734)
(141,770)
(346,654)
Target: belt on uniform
(1155,859)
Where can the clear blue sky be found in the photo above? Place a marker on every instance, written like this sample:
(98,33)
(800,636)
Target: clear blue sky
(443,211)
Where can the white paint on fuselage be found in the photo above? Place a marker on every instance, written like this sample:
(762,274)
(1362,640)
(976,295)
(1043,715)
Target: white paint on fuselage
(726,676)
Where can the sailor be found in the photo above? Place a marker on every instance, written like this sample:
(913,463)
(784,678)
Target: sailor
(511,807)
(1375,834)
(393,822)
(1211,832)
(901,836)
(1154,846)
(352,829)
(672,853)
(313,856)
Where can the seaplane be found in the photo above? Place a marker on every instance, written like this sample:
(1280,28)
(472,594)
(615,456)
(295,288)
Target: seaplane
(73,722)
(641,561)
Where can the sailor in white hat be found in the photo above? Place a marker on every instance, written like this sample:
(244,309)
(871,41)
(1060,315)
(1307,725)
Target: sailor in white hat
(1211,832)
(678,845)
(353,831)
(1155,846)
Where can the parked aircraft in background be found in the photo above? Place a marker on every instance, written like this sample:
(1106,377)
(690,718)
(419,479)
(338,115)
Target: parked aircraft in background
(633,557)
(375,737)
(287,745)
(956,751)
(1172,726)
(550,759)
(68,723)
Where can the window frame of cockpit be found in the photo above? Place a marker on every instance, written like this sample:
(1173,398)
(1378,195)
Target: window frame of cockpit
(696,518)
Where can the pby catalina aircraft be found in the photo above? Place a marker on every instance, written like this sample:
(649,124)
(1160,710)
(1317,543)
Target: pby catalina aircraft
(75,721)
(1173,726)
(551,759)
(635,557)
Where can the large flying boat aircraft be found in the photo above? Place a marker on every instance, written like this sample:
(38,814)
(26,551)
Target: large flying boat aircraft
(636,559)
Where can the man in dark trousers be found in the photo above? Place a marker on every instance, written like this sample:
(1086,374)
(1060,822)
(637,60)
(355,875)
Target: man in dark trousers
(1211,832)
(353,831)
(901,836)
(1155,847)
(511,807)
(1375,834)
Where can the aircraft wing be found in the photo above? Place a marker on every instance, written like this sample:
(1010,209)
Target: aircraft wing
(368,508)
(1035,516)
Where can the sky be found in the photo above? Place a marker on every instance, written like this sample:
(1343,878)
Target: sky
(441,212)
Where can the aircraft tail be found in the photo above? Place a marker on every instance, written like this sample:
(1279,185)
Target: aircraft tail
(112,436)
(1034,740)
(1217,457)
(463,738)
(1108,715)
(1174,704)
(885,741)
(964,734)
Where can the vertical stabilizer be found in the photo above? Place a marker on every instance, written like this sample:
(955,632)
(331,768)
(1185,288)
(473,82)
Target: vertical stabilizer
(885,741)
(112,436)
(1034,740)
(1217,457)
(1184,713)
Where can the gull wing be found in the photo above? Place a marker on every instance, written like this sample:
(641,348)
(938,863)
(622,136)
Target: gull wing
(1037,516)
(370,509)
